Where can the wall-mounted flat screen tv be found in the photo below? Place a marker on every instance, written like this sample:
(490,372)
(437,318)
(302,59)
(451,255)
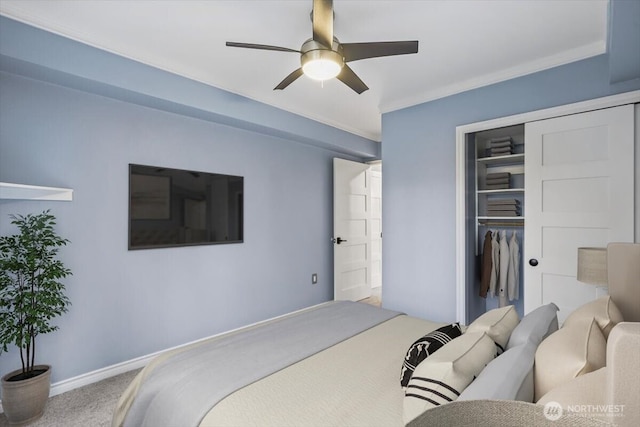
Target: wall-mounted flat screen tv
(174,207)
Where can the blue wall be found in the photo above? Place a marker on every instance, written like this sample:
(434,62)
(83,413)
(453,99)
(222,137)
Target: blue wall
(74,116)
(131,303)
(418,152)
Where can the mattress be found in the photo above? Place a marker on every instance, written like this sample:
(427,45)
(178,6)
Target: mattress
(355,382)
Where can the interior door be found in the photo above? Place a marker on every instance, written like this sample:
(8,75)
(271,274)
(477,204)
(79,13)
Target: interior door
(352,230)
(579,175)
(376,226)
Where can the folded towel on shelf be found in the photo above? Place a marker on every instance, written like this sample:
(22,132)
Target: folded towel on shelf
(502,209)
(503,202)
(497,181)
(504,144)
(503,213)
(499,140)
(497,186)
(496,153)
(498,175)
(514,204)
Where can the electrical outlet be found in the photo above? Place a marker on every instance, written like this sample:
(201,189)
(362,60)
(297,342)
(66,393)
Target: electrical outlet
(314,278)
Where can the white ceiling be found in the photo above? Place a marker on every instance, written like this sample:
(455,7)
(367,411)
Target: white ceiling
(463,44)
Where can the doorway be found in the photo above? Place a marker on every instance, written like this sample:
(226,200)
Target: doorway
(357,231)
(376,233)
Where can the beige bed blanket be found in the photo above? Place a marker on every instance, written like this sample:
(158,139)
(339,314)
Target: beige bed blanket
(354,383)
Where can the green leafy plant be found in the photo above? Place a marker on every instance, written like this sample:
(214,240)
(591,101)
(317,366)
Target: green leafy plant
(31,293)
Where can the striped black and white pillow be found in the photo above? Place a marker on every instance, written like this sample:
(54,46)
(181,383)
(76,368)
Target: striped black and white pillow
(426,346)
(442,377)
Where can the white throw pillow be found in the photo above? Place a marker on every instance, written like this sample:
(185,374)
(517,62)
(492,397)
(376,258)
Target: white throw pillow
(603,309)
(573,350)
(587,389)
(535,326)
(497,323)
(441,377)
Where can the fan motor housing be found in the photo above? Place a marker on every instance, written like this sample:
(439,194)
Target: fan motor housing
(312,50)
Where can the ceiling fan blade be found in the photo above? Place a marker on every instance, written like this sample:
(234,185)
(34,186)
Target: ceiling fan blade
(261,46)
(357,51)
(323,22)
(289,79)
(348,77)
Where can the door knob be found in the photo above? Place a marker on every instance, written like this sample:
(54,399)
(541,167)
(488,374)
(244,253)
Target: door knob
(533,262)
(339,240)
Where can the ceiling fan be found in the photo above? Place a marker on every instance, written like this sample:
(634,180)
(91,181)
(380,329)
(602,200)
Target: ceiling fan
(323,57)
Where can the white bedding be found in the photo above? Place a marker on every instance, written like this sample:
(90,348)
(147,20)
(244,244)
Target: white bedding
(353,383)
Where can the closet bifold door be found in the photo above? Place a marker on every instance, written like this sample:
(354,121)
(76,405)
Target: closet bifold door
(579,186)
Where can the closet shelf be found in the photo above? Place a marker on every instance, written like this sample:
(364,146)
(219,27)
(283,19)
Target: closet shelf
(511,159)
(11,191)
(501,221)
(502,191)
(501,218)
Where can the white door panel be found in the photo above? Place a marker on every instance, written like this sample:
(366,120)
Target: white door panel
(579,186)
(376,228)
(352,230)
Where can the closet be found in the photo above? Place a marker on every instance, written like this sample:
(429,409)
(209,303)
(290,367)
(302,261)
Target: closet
(553,180)
(496,160)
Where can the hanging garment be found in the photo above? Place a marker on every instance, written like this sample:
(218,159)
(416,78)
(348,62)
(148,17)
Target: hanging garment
(513,274)
(504,269)
(486,265)
(495,264)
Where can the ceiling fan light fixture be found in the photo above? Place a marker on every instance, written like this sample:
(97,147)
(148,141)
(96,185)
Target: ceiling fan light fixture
(323,57)
(321,69)
(321,64)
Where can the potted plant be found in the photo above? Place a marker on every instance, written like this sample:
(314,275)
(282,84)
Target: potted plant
(31,295)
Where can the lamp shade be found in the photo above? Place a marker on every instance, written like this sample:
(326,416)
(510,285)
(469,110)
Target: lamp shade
(592,266)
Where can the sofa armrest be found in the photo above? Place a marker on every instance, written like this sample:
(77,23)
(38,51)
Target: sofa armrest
(623,382)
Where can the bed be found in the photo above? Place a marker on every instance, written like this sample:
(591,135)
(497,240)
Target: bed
(350,386)
(339,364)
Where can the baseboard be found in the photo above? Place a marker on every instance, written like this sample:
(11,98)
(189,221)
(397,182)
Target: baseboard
(97,375)
(137,363)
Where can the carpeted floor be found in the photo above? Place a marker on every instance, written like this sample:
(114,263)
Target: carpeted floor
(375,298)
(88,406)
(92,405)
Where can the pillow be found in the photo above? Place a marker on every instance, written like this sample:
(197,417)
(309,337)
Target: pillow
(603,309)
(497,323)
(507,377)
(440,378)
(587,389)
(535,326)
(426,346)
(573,350)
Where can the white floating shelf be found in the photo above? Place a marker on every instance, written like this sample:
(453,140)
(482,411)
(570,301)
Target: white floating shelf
(9,191)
